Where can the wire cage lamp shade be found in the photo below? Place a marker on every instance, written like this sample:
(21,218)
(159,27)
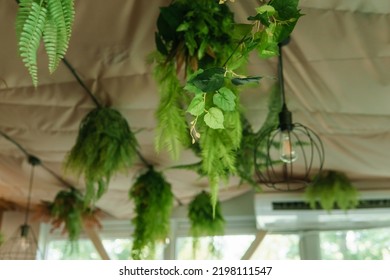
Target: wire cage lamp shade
(22,245)
(288,155)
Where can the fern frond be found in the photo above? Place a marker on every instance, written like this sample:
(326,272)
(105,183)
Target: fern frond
(31,19)
(172,130)
(57,32)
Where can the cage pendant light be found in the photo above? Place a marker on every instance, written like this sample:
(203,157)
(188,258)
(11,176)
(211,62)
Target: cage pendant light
(288,155)
(22,245)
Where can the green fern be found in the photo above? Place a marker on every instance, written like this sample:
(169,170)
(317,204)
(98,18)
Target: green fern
(104,146)
(50,20)
(153,199)
(30,23)
(218,151)
(172,130)
(332,189)
(205,219)
(57,34)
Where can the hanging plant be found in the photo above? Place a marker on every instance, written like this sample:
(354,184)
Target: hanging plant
(1,238)
(330,190)
(68,212)
(153,200)
(50,20)
(205,221)
(105,145)
(191,34)
(201,40)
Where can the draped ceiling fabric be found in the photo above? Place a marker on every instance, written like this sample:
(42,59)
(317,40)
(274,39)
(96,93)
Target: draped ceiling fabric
(337,78)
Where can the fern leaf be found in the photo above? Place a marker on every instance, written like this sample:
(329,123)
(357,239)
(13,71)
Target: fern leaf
(68,12)
(57,32)
(31,20)
(172,130)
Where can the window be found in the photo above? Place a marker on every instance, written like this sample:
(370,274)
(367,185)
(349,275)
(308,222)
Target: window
(368,244)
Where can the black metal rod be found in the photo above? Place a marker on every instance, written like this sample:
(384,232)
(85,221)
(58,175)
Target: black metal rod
(280,76)
(29,194)
(81,82)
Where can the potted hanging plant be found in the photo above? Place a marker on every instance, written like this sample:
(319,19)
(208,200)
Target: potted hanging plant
(69,214)
(105,145)
(200,42)
(332,190)
(204,220)
(153,199)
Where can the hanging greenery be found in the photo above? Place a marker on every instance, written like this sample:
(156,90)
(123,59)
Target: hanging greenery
(205,221)
(50,20)
(330,190)
(1,238)
(105,145)
(153,200)
(200,40)
(68,212)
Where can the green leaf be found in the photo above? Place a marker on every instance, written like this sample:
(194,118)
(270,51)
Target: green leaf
(214,118)
(246,80)
(58,29)
(30,22)
(287,11)
(191,88)
(266,9)
(210,79)
(224,99)
(197,105)
(183,26)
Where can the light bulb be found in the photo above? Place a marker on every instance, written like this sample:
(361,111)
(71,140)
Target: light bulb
(23,243)
(287,152)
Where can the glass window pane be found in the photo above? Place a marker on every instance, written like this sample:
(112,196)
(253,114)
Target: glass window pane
(117,249)
(369,244)
(278,247)
(228,247)
(64,250)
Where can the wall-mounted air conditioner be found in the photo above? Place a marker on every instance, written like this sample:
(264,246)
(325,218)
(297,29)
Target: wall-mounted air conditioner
(289,212)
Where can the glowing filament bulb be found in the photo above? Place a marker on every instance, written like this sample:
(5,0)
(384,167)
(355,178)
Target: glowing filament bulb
(287,152)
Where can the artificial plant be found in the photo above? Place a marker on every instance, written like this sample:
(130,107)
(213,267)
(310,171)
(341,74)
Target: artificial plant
(199,41)
(330,190)
(204,220)
(69,213)
(105,145)
(50,20)
(153,199)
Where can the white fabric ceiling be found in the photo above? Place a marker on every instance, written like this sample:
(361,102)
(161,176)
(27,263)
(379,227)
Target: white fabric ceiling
(336,75)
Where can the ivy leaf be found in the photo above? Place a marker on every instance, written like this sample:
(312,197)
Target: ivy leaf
(193,89)
(214,118)
(287,10)
(224,99)
(209,80)
(197,105)
(246,80)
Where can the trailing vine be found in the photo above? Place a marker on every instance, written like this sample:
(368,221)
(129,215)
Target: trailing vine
(205,221)
(50,20)
(330,190)
(153,199)
(201,40)
(105,145)
(68,212)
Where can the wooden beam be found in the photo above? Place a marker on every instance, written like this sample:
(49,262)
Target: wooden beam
(255,244)
(97,242)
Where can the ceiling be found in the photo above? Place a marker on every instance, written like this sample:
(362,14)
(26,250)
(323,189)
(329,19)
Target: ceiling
(337,79)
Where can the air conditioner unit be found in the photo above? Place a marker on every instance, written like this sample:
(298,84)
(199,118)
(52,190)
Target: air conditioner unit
(289,212)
